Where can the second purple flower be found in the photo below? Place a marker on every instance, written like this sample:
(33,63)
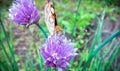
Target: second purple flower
(58,51)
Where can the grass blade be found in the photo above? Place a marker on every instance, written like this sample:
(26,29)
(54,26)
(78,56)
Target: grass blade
(103,56)
(113,57)
(3,47)
(75,22)
(98,32)
(3,67)
(99,47)
(11,50)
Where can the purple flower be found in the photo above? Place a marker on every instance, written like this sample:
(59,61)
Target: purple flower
(58,51)
(24,12)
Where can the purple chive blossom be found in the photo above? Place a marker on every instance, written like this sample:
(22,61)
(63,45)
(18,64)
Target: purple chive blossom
(58,51)
(24,12)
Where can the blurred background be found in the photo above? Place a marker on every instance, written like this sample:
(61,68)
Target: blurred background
(85,20)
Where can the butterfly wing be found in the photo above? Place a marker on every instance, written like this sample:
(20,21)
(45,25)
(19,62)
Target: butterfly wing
(49,20)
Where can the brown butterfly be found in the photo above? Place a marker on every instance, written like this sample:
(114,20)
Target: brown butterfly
(51,19)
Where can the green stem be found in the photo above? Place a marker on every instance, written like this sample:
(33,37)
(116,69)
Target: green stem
(74,26)
(99,47)
(11,50)
(47,69)
(38,25)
